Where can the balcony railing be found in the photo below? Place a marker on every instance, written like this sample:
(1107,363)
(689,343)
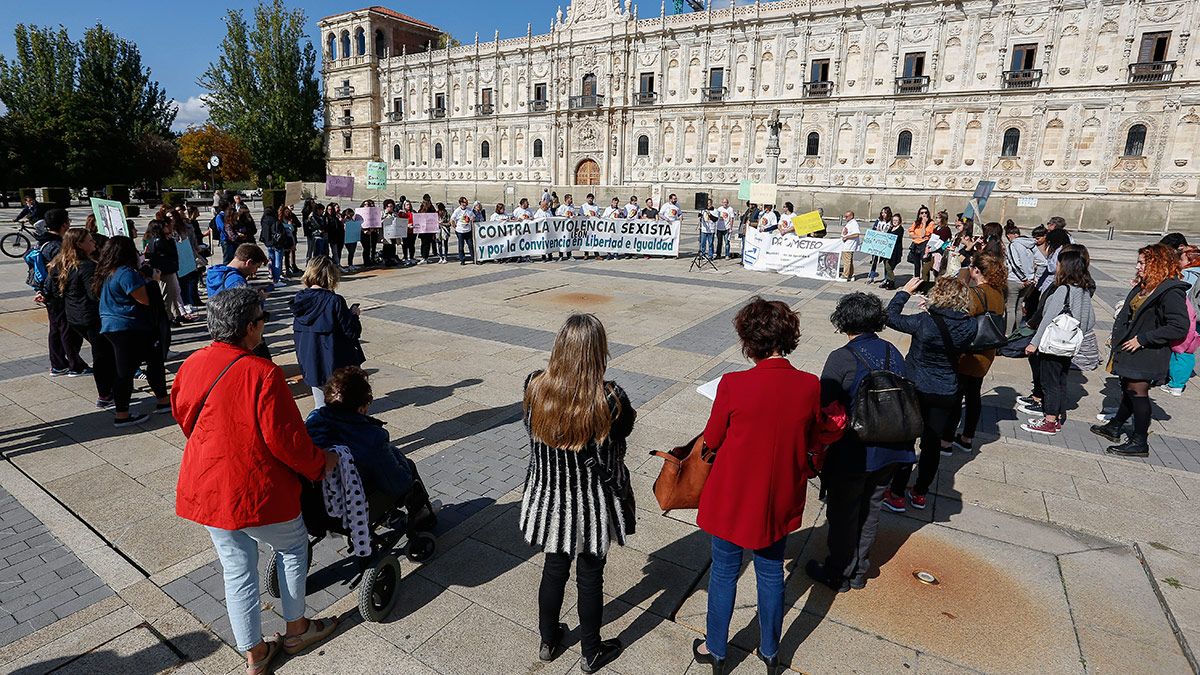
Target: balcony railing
(437,113)
(1022,79)
(711,94)
(538,105)
(646,97)
(345,120)
(1151,71)
(587,102)
(343,92)
(818,89)
(912,85)
(485,109)
(395,116)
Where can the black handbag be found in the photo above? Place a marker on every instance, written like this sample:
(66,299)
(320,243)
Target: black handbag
(989,328)
(885,408)
(1014,347)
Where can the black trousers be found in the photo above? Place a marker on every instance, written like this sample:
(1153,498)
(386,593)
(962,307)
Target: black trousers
(590,582)
(970,392)
(64,343)
(104,364)
(852,507)
(410,246)
(130,349)
(720,240)
(428,247)
(1053,372)
(1035,372)
(940,412)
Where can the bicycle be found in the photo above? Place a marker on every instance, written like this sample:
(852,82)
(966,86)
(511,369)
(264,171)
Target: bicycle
(17,244)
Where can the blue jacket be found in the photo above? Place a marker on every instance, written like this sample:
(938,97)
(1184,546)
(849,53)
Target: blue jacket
(379,464)
(929,361)
(326,334)
(222,277)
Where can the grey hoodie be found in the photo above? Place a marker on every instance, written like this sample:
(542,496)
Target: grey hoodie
(1025,260)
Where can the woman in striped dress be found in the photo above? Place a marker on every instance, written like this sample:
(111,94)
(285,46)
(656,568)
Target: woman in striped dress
(577,497)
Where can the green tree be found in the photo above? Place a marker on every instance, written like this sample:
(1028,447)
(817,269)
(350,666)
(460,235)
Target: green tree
(37,87)
(263,90)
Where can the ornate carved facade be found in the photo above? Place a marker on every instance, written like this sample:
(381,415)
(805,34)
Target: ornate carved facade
(1066,96)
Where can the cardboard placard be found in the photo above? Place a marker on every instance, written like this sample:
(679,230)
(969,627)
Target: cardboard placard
(807,223)
(339,186)
(425,223)
(110,217)
(878,243)
(764,193)
(376,175)
(353,231)
(372,217)
(744,189)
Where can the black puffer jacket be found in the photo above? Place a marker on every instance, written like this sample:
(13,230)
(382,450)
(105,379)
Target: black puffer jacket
(1161,320)
(930,365)
(82,307)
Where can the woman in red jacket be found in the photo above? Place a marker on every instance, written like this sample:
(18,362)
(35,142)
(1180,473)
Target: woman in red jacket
(755,494)
(246,450)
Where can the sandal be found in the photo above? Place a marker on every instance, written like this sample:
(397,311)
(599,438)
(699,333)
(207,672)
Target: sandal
(318,630)
(261,667)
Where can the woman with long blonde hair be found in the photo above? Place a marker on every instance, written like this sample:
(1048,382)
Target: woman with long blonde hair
(577,495)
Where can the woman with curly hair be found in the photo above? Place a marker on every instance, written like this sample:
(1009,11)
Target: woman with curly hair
(1154,315)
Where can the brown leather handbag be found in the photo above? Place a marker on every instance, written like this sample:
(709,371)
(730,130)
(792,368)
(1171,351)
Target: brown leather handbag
(684,471)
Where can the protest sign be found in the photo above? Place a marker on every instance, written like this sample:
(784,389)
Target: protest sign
(425,223)
(396,228)
(878,243)
(110,217)
(763,193)
(979,199)
(744,189)
(372,217)
(353,231)
(293,192)
(339,186)
(187,257)
(376,175)
(807,223)
(789,254)
(495,240)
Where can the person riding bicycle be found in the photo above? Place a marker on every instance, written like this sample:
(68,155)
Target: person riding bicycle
(34,211)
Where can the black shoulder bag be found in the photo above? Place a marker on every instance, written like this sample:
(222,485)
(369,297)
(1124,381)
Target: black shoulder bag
(989,328)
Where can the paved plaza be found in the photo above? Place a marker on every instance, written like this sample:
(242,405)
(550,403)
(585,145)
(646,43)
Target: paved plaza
(1051,557)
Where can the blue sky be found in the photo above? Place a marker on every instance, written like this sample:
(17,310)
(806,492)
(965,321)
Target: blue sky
(179,39)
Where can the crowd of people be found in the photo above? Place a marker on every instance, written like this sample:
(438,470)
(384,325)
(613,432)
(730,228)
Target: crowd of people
(980,295)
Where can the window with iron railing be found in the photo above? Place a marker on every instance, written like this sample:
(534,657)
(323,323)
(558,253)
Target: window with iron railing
(586,102)
(818,89)
(1152,64)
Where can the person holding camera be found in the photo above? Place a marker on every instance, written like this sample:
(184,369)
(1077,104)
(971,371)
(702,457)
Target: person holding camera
(327,331)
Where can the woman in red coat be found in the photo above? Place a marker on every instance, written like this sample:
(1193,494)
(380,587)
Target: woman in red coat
(755,494)
(247,449)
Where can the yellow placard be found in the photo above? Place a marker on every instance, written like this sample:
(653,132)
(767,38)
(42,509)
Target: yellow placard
(763,193)
(807,223)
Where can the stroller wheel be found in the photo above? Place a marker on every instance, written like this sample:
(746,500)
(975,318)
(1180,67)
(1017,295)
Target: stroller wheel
(377,593)
(421,547)
(273,571)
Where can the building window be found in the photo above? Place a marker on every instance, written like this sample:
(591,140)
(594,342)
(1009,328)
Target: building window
(396,152)
(904,144)
(346,144)
(437,150)
(539,91)
(914,64)
(1024,57)
(537,148)
(1012,142)
(819,71)
(1135,141)
(380,44)
(646,83)
(331,52)
(589,85)
(716,78)
(345,44)
(643,147)
(812,148)
(397,105)
(485,150)
(1154,47)
(360,42)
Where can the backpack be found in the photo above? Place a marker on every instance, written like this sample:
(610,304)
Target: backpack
(1064,334)
(36,262)
(885,408)
(990,328)
(1191,341)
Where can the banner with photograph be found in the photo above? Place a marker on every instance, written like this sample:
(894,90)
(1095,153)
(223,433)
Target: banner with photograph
(110,217)
(495,240)
(789,254)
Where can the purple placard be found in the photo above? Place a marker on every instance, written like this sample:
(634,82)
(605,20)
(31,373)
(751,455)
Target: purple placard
(339,186)
(371,217)
(425,223)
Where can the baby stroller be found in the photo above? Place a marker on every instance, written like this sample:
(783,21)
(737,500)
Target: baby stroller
(409,519)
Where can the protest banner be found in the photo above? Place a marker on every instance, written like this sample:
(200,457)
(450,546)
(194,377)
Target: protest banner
(744,189)
(339,186)
(110,217)
(764,193)
(495,240)
(396,228)
(187,257)
(353,231)
(979,199)
(425,223)
(878,243)
(807,223)
(789,254)
(372,217)
(376,175)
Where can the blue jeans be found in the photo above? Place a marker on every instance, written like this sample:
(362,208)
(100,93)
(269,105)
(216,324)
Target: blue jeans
(228,248)
(275,258)
(318,246)
(469,239)
(722,592)
(1182,366)
(238,552)
(706,243)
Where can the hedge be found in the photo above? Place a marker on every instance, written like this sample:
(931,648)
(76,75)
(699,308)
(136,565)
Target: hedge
(273,199)
(117,193)
(174,198)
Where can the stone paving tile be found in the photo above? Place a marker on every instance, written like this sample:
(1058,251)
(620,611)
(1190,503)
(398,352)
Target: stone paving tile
(425,290)
(722,368)
(41,580)
(32,365)
(713,335)
(695,280)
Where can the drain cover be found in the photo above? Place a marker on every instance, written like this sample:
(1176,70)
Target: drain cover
(925,577)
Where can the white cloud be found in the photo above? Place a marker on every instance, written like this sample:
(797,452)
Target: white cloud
(192,112)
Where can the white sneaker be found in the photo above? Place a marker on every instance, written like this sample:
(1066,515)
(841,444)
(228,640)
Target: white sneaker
(1167,389)
(1106,416)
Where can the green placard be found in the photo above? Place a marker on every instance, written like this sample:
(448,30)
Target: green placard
(744,189)
(376,175)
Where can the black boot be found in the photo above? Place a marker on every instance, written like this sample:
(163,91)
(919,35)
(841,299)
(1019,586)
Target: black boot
(817,572)
(718,665)
(1136,446)
(772,664)
(1109,430)
(609,651)
(548,651)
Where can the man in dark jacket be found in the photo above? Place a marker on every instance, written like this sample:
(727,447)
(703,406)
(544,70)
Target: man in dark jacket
(34,211)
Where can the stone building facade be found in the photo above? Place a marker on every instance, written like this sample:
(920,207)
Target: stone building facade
(1065,97)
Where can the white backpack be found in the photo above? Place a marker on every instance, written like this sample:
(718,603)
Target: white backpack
(1064,334)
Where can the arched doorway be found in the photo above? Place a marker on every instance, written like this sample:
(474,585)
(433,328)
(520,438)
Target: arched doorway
(587,172)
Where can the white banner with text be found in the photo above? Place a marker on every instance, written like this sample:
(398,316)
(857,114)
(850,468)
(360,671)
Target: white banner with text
(495,240)
(789,254)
